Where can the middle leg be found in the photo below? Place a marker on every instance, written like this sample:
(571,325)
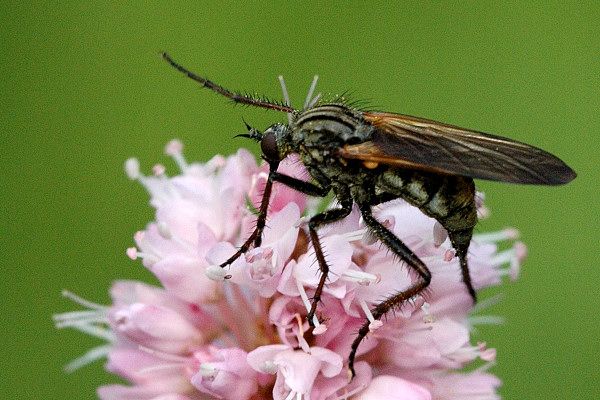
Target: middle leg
(315,222)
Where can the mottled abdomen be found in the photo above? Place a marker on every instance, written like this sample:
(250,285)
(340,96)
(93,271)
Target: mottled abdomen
(449,199)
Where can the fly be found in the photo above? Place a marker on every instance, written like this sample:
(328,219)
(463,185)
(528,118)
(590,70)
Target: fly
(369,158)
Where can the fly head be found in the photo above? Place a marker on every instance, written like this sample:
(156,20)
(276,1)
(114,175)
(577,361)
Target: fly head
(273,141)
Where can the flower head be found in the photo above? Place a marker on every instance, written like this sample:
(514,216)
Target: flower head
(240,332)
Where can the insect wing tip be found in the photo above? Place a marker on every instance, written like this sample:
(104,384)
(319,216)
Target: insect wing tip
(568,174)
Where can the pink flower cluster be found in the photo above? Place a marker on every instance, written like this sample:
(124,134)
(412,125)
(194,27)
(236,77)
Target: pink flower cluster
(242,333)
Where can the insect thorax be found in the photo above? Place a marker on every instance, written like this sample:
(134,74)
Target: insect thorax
(317,133)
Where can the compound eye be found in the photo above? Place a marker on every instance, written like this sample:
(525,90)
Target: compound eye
(268,146)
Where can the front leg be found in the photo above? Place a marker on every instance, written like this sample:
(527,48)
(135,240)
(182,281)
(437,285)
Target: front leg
(274,176)
(260,221)
(393,243)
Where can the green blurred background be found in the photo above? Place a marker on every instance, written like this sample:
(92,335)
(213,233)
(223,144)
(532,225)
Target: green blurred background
(83,89)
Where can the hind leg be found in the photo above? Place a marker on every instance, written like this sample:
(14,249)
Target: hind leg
(392,242)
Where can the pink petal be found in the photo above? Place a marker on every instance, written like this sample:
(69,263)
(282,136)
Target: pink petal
(261,358)
(299,369)
(171,396)
(280,223)
(185,277)
(233,377)
(393,388)
(144,392)
(332,362)
(338,255)
(156,327)
(128,362)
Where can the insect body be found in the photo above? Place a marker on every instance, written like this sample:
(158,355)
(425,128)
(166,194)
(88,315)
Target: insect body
(369,158)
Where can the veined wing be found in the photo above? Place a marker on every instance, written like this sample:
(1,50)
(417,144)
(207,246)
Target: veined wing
(417,143)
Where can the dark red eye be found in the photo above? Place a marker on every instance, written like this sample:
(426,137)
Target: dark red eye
(268,145)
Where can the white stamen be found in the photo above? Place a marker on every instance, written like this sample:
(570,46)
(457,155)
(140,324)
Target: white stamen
(215,163)
(159,170)
(319,330)
(517,260)
(208,370)
(291,395)
(139,236)
(94,354)
(374,324)
(481,351)
(95,330)
(307,304)
(76,319)
(175,149)
(151,253)
(486,303)
(216,273)
(356,235)
(92,330)
(360,277)
(159,186)
(513,257)
(132,253)
(503,257)
(132,168)
(268,367)
(493,237)
(483,212)
(92,321)
(82,302)
(302,221)
(77,315)
(428,318)
(486,320)
(311,90)
(484,368)
(150,259)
